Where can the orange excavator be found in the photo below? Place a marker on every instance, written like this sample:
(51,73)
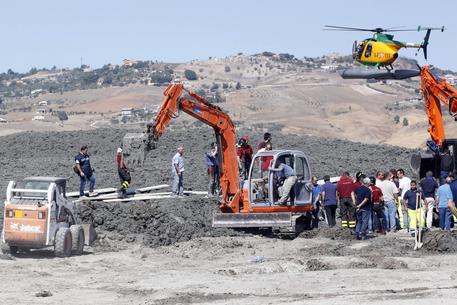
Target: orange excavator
(436,92)
(252,203)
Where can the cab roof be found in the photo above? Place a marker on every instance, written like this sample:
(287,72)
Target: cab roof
(56,180)
(276,152)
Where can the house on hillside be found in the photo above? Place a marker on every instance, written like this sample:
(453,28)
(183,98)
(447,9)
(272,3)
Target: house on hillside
(127,111)
(41,111)
(129,62)
(43,103)
(36,92)
(451,79)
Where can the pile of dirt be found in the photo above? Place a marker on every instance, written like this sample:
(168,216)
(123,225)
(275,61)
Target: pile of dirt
(334,233)
(170,221)
(158,223)
(440,241)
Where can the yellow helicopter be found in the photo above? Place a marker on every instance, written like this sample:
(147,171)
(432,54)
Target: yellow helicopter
(382,50)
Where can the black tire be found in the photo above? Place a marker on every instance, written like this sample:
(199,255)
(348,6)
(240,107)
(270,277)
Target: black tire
(77,235)
(7,249)
(63,243)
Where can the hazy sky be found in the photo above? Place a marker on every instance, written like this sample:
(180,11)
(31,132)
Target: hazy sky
(46,33)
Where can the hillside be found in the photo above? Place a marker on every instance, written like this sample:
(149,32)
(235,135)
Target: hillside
(275,92)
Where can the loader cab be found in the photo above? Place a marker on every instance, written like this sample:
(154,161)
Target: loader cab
(264,186)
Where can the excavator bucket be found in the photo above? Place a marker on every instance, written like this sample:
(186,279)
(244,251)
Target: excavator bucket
(285,222)
(134,149)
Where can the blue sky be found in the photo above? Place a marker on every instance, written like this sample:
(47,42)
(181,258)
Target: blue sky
(50,32)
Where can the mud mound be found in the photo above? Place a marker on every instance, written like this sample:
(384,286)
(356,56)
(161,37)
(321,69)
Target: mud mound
(159,223)
(440,241)
(316,265)
(334,233)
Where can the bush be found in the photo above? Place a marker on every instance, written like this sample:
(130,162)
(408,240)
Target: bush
(397,119)
(405,122)
(190,74)
(161,77)
(238,86)
(227,69)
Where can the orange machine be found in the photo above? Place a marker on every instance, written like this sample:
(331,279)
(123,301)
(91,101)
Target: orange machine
(239,207)
(436,92)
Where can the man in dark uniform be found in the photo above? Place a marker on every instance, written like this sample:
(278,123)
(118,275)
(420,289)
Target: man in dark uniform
(85,171)
(363,208)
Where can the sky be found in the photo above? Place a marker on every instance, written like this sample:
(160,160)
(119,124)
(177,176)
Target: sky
(55,32)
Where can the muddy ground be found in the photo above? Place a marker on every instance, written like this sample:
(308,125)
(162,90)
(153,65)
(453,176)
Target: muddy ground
(165,252)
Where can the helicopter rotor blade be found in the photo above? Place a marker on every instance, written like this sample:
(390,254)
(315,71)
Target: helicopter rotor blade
(344,28)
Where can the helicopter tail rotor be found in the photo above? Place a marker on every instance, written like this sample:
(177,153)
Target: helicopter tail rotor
(425,42)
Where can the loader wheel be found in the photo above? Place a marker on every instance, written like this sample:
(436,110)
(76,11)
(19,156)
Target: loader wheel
(7,249)
(77,236)
(63,243)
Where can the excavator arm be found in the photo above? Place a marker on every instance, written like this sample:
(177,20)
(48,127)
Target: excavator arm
(437,92)
(177,98)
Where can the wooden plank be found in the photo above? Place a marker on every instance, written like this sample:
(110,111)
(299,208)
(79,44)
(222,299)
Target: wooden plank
(136,198)
(151,188)
(100,191)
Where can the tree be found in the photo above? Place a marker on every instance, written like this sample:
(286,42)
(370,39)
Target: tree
(190,74)
(397,119)
(238,86)
(227,69)
(405,122)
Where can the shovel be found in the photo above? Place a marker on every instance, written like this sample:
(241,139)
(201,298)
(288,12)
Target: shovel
(418,232)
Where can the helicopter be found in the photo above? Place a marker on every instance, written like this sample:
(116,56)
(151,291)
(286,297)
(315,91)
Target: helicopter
(382,50)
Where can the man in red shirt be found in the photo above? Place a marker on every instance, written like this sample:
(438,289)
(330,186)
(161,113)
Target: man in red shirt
(244,153)
(266,140)
(378,207)
(265,161)
(123,172)
(345,187)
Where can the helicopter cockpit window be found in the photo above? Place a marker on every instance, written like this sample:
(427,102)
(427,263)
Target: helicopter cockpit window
(360,50)
(368,50)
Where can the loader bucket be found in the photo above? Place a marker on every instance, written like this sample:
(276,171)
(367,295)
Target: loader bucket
(253,220)
(134,149)
(89,234)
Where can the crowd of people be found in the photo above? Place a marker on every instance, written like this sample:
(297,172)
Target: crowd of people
(386,202)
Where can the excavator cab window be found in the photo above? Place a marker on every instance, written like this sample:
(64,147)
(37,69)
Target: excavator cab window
(259,180)
(302,193)
(278,178)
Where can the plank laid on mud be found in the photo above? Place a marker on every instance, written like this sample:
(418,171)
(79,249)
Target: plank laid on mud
(151,188)
(100,191)
(137,198)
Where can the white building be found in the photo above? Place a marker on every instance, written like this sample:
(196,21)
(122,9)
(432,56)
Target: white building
(451,79)
(41,110)
(127,111)
(43,103)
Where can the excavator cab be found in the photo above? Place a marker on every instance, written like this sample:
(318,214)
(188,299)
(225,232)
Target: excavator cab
(264,187)
(430,160)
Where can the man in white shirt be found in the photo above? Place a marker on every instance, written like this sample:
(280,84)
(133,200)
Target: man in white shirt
(404,184)
(390,195)
(177,165)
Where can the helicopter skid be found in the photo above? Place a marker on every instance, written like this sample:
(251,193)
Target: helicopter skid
(377,74)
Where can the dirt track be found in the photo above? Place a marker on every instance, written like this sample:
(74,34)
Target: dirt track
(166,252)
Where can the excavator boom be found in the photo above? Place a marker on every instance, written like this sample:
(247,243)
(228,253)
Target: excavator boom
(177,98)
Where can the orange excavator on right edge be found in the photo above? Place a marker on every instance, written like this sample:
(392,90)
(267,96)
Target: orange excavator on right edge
(436,92)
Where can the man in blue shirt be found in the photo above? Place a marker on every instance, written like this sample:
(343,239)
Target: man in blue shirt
(363,208)
(329,199)
(429,186)
(177,165)
(213,169)
(291,178)
(445,196)
(411,205)
(316,198)
(85,171)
